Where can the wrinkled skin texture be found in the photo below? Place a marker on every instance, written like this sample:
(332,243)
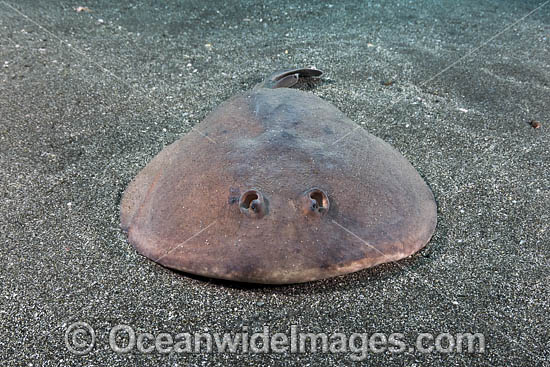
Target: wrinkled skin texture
(183,211)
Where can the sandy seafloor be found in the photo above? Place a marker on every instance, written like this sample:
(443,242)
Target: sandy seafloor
(88,98)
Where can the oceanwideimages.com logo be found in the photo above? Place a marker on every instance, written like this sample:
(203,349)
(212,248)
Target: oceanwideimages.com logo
(80,338)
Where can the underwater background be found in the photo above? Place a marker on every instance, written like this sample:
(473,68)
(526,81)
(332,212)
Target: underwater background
(90,91)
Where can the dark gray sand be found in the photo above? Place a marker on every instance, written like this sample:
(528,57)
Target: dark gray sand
(88,98)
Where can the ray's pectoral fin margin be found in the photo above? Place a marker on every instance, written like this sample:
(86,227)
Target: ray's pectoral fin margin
(289,77)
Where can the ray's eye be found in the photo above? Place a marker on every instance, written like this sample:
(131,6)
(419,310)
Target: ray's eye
(253,204)
(315,202)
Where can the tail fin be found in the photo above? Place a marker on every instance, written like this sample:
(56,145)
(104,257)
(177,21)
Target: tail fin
(288,77)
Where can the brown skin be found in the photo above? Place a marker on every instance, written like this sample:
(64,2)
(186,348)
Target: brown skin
(189,208)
